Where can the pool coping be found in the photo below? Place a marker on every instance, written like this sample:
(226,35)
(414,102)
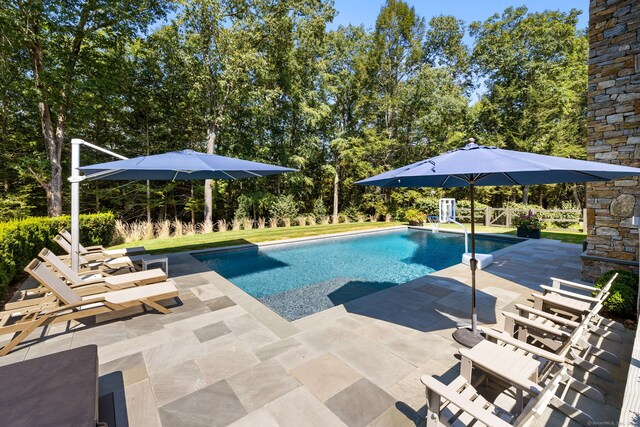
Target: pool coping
(293,240)
(274,321)
(341,234)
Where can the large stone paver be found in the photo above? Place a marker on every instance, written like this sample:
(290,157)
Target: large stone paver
(222,357)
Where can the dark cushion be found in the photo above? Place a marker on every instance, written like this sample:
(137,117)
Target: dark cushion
(59,389)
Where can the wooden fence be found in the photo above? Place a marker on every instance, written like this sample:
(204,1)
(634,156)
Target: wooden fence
(503,217)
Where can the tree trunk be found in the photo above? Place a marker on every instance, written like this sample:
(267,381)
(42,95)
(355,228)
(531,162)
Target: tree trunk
(52,137)
(208,191)
(148,202)
(336,181)
(525,195)
(541,196)
(576,197)
(193,212)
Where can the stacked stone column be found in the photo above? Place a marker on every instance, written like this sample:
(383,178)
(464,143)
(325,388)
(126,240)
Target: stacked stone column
(613,134)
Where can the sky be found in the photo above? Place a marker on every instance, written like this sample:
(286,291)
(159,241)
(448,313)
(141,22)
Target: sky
(358,12)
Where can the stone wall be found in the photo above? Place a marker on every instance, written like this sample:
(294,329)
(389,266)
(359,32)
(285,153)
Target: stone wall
(613,133)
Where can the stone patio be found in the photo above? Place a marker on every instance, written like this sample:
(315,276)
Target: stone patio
(223,358)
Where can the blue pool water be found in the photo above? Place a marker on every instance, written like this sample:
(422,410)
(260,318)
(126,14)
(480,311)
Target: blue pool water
(298,279)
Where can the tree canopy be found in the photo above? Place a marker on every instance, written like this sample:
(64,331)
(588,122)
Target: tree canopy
(268,80)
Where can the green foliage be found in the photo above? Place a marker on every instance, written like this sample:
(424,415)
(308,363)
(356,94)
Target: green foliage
(547,217)
(243,211)
(352,212)
(284,206)
(623,294)
(414,216)
(319,211)
(270,82)
(21,240)
(528,220)
(535,66)
(14,207)
(428,205)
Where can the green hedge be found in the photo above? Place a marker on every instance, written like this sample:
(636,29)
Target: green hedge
(623,294)
(21,240)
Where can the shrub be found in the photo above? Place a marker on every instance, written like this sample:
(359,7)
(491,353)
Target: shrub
(273,222)
(189,229)
(311,219)
(284,207)
(414,216)
(302,221)
(222,225)
(235,224)
(261,223)
(21,240)
(352,212)
(148,230)
(178,228)
(429,205)
(247,224)
(163,229)
(549,216)
(529,221)
(244,207)
(623,294)
(319,211)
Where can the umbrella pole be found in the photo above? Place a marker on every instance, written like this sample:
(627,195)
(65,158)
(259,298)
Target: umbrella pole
(465,336)
(473,263)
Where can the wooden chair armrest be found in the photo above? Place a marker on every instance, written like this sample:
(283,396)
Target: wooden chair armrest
(550,316)
(561,282)
(88,282)
(535,325)
(93,289)
(570,294)
(466,405)
(76,305)
(508,339)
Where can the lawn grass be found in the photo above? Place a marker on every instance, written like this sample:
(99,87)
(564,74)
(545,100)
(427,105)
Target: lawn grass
(240,237)
(565,235)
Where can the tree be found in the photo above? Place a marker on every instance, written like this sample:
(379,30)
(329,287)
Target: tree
(61,38)
(535,70)
(343,83)
(444,48)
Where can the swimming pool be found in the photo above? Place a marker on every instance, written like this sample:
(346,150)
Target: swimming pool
(298,279)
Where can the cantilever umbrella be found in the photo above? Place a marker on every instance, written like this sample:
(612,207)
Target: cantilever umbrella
(475,165)
(171,166)
(180,166)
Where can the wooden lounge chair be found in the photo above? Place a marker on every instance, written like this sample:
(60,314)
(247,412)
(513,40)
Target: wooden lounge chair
(85,284)
(568,349)
(95,261)
(576,305)
(551,330)
(574,347)
(117,281)
(549,364)
(85,250)
(68,305)
(459,403)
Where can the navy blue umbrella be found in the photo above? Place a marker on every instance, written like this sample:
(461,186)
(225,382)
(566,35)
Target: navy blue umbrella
(180,166)
(475,165)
